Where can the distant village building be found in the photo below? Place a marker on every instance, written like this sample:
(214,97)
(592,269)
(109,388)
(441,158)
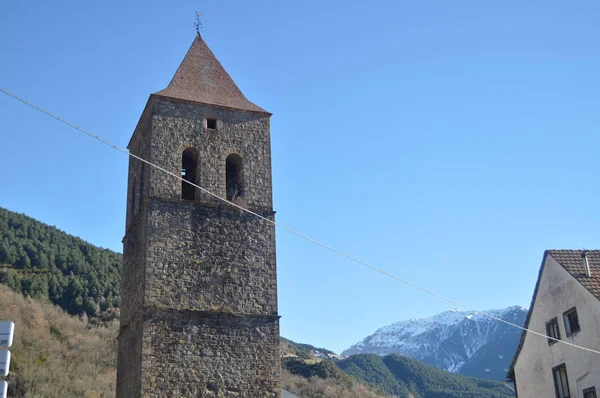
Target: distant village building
(199,311)
(565,306)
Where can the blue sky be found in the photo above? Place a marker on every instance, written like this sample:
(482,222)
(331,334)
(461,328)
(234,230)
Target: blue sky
(449,143)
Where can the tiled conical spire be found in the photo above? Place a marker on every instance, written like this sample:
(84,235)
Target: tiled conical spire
(202,78)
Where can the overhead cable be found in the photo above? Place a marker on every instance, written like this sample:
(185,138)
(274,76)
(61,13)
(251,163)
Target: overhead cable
(305,237)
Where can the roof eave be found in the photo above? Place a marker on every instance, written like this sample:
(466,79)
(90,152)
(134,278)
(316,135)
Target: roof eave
(259,110)
(153,96)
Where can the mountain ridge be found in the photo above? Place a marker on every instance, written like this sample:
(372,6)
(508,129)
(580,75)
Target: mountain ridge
(465,342)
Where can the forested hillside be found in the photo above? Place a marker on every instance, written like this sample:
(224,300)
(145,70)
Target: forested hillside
(41,261)
(404,376)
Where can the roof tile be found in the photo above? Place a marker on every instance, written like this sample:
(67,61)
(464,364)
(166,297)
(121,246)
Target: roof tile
(571,260)
(202,78)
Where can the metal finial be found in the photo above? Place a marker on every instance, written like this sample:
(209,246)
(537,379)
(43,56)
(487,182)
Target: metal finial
(198,23)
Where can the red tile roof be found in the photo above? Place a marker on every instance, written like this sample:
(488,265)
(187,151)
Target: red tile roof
(571,260)
(202,78)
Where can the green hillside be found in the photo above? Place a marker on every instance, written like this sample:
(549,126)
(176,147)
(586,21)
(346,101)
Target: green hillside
(404,376)
(41,261)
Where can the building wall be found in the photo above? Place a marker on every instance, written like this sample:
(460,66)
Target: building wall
(129,361)
(209,258)
(177,126)
(200,280)
(196,354)
(557,293)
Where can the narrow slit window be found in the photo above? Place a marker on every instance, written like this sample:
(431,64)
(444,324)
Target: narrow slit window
(234,177)
(211,124)
(189,170)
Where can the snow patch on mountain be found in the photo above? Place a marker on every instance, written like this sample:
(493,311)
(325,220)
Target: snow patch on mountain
(451,340)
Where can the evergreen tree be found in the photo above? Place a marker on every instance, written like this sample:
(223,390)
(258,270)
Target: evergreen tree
(41,261)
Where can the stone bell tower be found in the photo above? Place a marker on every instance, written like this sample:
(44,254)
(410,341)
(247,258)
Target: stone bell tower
(199,308)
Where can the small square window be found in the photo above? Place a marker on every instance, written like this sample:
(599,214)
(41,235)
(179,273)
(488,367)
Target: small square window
(561,382)
(211,124)
(571,321)
(589,393)
(552,331)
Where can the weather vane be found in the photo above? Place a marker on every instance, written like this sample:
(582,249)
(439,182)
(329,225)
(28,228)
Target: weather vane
(198,23)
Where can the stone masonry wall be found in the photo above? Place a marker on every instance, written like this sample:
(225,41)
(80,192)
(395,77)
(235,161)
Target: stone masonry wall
(129,363)
(178,126)
(208,258)
(199,314)
(138,176)
(134,269)
(130,333)
(135,240)
(195,354)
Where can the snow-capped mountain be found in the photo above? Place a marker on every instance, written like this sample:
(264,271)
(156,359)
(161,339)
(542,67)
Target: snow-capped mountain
(458,341)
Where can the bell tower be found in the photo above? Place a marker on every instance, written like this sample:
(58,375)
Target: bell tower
(199,309)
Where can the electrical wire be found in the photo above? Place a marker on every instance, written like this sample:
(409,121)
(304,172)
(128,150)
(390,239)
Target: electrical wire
(292,231)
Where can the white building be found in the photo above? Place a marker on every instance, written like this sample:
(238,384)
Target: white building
(565,306)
